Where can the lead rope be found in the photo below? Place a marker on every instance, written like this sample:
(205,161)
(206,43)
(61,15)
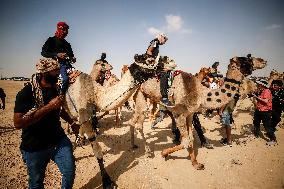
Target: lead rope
(132,87)
(72,102)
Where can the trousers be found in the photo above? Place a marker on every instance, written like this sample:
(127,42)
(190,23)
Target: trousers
(265,117)
(37,161)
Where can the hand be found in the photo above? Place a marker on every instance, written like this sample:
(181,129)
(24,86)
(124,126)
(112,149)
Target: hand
(55,103)
(62,55)
(73,59)
(75,128)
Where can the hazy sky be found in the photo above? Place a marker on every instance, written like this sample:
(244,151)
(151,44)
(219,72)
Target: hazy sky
(200,32)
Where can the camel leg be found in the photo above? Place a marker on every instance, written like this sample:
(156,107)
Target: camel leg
(132,134)
(116,117)
(192,155)
(140,128)
(87,130)
(168,151)
(153,112)
(185,126)
(138,116)
(181,124)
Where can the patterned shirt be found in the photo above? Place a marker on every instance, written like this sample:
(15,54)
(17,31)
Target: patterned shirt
(262,106)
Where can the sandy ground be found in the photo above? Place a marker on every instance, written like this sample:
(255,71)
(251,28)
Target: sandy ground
(249,163)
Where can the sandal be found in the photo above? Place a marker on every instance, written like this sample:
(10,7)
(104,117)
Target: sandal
(198,166)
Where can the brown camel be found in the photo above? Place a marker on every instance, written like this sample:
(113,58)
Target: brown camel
(85,97)
(191,96)
(153,103)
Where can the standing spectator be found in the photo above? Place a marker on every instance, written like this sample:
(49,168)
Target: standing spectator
(227,120)
(263,111)
(2,96)
(58,48)
(37,112)
(277,102)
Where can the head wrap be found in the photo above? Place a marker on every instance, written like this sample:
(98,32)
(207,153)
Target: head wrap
(46,65)
(162,38)
(262,82)
(60,27)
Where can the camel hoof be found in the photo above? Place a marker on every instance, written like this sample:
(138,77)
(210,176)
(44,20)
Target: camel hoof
(111,185)
(164,155)
(198,166)
(108,183)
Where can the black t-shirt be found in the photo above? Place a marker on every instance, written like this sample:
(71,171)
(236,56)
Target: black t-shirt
(2,93)
(277,97)
(54,45)
(45,133)
(154,44)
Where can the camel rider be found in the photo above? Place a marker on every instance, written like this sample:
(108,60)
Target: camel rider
(103,71)
(58,48)
(153,51)
(214,71)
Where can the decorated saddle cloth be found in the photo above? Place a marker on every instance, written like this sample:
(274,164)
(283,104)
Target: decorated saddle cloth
(74,75)
(146,61)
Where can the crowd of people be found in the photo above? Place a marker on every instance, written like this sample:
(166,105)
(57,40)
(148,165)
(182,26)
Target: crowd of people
(38,109)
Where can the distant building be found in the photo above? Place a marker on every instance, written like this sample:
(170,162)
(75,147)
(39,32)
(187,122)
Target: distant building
(16,78)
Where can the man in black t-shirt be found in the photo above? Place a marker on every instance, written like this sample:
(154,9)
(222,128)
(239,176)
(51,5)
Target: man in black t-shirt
(37,112)
(58,48)
(277,102)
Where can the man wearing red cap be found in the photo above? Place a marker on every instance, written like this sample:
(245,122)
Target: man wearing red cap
(58,48)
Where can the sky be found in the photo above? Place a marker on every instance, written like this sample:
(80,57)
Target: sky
(200,32)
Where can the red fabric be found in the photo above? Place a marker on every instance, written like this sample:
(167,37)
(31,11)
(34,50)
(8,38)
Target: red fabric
(261,106)
(62,30)
(176,72)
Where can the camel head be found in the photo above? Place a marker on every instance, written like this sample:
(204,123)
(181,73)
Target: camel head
(258,63)
(245,65)
(124,69)
(103,66)
(167,63)
(275,74)
(99,69)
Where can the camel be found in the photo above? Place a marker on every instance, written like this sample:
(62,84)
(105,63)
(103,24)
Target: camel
(275,75)
(110,80)
(154,104)
(85,97)
(190,96)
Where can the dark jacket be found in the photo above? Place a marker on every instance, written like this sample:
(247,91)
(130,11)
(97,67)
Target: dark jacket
(54,45)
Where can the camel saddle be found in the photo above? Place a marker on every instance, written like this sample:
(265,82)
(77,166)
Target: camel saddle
(73,76)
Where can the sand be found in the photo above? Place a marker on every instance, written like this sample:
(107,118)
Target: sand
(249,163)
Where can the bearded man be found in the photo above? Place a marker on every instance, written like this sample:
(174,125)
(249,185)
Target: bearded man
(37,112)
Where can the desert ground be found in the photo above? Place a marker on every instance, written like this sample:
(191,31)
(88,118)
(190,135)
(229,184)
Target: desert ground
(248,164)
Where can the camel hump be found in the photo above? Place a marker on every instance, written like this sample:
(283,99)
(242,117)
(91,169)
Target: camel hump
(74,75)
